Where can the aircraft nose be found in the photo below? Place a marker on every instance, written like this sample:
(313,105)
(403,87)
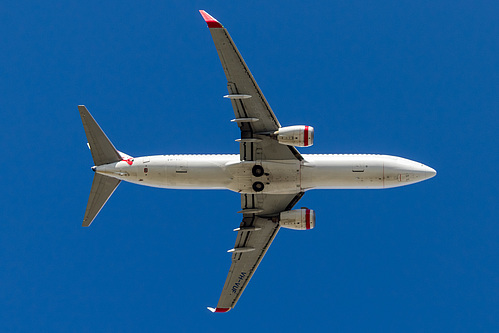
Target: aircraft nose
(425,171)
(429,172)
(421,172)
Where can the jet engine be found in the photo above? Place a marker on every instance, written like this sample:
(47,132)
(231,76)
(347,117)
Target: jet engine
(298,219)
(300,135)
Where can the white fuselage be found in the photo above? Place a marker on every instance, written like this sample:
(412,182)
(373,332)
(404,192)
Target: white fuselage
(316,171)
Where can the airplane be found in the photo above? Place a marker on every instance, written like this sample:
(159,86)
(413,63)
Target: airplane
(269,172)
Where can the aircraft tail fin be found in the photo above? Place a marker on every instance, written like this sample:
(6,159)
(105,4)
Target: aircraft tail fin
(103,151)
(102,188)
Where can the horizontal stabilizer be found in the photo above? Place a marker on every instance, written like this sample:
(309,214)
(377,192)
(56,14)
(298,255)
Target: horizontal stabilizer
(103,151)
(218,309)
(102,188)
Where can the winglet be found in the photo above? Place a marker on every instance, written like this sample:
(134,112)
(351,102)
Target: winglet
(210,20)
(218,309)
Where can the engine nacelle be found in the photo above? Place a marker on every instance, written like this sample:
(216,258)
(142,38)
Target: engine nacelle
(300,135)
(298,219)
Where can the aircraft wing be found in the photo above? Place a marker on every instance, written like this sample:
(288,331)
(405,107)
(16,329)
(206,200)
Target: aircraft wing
(254,237)
(256,121)
(252,111)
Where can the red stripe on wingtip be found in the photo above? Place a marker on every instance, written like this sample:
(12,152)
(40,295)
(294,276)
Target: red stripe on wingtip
(222,309)
(210,20)
(129,161)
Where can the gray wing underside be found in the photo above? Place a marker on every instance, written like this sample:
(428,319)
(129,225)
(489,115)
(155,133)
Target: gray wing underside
(102,188)
(240,81)
(257,233)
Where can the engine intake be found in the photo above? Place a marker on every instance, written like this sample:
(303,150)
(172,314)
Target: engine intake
(298,219)
(300,135)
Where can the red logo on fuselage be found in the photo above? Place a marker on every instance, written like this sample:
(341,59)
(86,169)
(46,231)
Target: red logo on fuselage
(129,161)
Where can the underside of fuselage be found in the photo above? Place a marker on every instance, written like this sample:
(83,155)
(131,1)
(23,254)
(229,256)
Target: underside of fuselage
(324,171)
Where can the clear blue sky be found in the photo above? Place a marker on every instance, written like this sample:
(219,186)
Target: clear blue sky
(417,79)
